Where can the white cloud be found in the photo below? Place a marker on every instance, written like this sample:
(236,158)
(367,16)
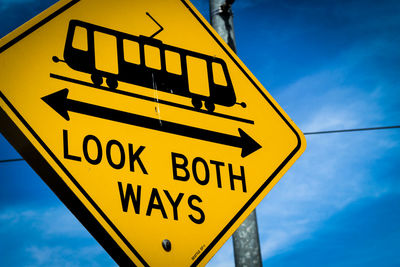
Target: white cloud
(51,222)
(41,255)
(48,236)
(59,221)
(334,170)
(277,240)
(320,184)
(224,257)
(62,256)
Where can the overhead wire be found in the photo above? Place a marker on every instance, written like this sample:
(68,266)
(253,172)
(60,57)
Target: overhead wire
(306,133)
(353,130)
(10,160)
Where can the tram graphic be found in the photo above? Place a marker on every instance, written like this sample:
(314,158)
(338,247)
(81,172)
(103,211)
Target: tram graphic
(148,62)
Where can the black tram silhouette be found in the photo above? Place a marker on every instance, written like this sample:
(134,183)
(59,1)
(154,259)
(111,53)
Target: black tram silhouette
(143,73)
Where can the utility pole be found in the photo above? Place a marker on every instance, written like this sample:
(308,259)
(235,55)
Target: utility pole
(246,242)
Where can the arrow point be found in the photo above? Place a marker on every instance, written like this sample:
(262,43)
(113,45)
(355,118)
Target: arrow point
(58,102)
(249,145)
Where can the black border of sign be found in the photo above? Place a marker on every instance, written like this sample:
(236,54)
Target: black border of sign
(15,136)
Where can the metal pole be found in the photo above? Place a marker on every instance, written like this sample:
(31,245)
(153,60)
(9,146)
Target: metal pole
(221,18)
(246,243)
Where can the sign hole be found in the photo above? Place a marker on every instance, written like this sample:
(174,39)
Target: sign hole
(166,244)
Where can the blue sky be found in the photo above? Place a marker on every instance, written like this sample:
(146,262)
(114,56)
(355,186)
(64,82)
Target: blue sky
(330,65)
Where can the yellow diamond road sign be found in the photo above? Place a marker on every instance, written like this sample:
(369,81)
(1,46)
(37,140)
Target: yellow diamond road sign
(145,124)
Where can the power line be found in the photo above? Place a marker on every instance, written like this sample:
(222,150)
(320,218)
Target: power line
(10,160)
(307,133)
(354,130)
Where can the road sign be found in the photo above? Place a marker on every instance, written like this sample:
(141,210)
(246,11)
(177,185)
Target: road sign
(145,124)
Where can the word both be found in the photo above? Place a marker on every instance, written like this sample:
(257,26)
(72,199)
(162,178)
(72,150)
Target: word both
(154,201)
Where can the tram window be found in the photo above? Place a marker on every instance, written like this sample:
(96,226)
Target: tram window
(131,51)
(218,74)
(80,39)
(173,62)
(198,76)
(105,52)
(152,57)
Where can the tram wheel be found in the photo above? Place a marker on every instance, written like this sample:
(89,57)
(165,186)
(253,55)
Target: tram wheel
(96,79)
(112,83)
(196,102)
(210,106)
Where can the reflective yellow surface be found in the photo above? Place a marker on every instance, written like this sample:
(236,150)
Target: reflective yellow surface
(148,185)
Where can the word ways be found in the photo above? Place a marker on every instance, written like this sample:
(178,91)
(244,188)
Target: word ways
(182,172)
(132,196)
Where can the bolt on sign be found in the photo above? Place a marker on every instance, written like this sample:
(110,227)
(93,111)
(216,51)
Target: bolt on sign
(145,124)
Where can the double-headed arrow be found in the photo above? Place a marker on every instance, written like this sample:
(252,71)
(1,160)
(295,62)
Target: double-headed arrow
(61,104)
